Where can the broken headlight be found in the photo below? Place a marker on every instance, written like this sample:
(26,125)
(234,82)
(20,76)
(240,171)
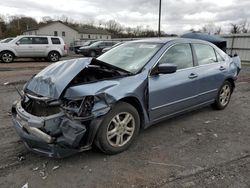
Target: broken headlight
(79,107)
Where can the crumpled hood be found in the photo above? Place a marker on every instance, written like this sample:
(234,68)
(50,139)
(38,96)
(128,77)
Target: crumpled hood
(52,81)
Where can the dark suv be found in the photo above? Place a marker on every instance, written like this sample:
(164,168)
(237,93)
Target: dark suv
(96,48)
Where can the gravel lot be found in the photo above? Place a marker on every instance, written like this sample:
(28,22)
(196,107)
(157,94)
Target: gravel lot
(205,148)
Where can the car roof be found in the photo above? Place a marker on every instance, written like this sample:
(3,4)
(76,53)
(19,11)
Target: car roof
(38,36)
(164,40)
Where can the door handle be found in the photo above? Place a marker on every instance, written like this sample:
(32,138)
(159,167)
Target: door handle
(222,68)
(192,76)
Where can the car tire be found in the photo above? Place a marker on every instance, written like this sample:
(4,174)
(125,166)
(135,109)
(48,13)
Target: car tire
(7,57)
(119,129)
(53,56)
(223,96)
(92,54)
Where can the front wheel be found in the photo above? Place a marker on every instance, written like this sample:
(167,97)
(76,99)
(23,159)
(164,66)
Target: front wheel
(224,96)
(118,129)
(53,57)
(7,57)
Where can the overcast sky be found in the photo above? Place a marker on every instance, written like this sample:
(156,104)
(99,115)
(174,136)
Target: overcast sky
(178,16)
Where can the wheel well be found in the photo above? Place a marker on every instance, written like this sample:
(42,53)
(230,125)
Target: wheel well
(8,51)
(54,51)
(135,103)
(231,81)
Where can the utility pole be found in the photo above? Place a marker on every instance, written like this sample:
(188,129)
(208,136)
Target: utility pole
(159,24)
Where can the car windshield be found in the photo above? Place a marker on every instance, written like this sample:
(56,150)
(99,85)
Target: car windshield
(131,57)
(7,40)
(96,44)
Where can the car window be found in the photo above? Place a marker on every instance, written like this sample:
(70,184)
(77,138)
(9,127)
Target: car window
(40,40)
(219,57)
(205,54)
(25,40)
(180,55)
(55,41)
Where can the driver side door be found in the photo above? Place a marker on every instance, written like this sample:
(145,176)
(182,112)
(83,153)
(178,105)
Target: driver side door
(25,47)
(170,94)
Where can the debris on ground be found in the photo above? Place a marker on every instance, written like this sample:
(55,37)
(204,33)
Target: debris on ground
(165,164)
(6,83)
(20,157)
(43,175)
(26,185)
(45,165)
(199,134)
(207,122)
(55,167)
(36,168)
(215,135)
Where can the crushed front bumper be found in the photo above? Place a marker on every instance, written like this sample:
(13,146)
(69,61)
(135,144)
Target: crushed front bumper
(32,130)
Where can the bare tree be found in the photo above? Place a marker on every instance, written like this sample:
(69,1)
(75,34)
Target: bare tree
(244,26)
(235,28)
(218,31)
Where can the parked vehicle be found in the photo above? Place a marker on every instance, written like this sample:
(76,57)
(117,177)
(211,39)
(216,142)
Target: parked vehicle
(96,48)
(109,48)
(73,104)
(7,40)
(49,47)
(77,49)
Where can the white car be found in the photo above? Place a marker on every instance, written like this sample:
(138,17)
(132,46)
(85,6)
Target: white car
(50,47)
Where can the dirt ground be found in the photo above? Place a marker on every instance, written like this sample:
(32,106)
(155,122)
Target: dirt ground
(205,148)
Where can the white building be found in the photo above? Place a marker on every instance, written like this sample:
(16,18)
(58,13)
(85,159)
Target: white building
(68,33)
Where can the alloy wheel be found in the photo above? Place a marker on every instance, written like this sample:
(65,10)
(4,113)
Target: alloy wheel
(120,129)
(225,95)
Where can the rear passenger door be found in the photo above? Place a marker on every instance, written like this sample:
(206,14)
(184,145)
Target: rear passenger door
(40,46)
(211,68)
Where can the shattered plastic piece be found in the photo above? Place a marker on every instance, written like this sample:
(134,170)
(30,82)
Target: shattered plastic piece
(215,135)
(26,185)
(6,83)
(55,167)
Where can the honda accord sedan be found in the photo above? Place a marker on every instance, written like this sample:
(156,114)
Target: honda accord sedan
(72,105)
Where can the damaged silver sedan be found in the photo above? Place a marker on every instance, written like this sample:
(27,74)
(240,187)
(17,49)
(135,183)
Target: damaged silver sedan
(73,104)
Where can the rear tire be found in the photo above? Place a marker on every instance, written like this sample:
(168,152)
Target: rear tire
(53,56)
(224,96)
(119,129)
(7,57)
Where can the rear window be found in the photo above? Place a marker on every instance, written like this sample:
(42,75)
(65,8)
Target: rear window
(205,54)
(55,41)
(40,40)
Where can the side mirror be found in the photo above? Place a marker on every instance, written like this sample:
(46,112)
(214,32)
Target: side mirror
(17,43)
(167,68)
